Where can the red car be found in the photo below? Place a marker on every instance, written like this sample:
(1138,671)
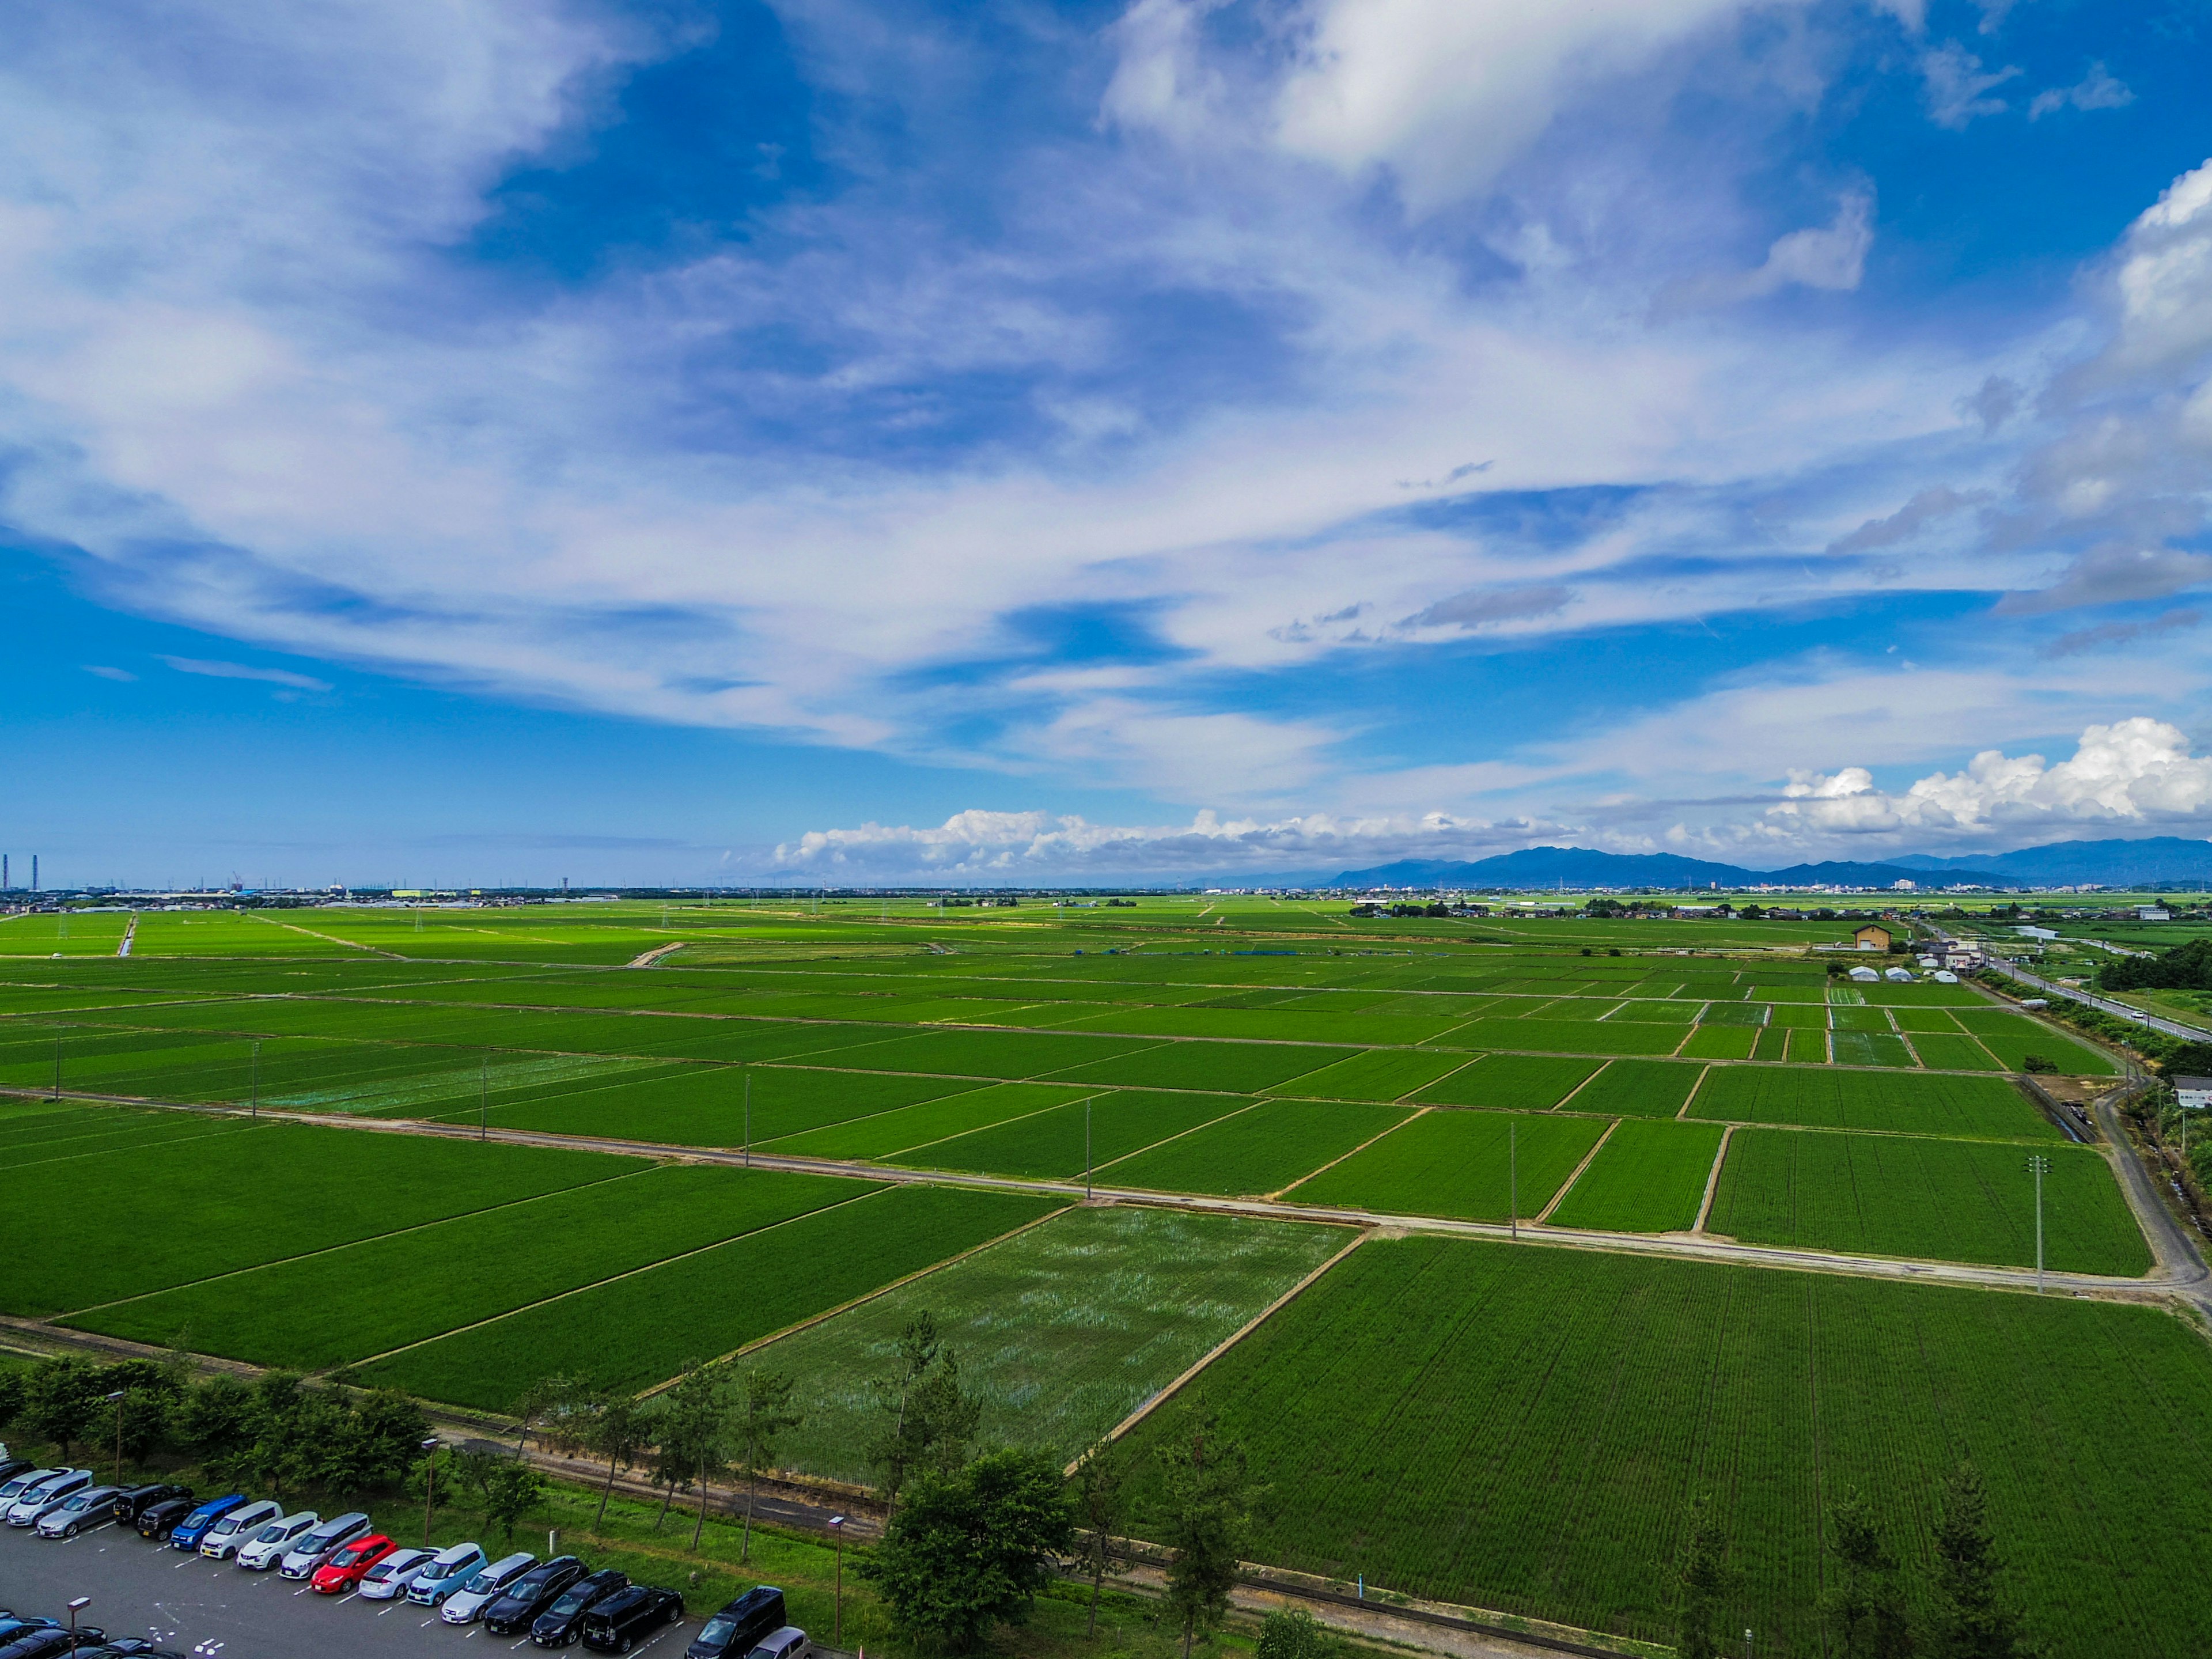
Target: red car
(344,1570)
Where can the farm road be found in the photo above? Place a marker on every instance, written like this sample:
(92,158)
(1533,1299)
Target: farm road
(2174,1273)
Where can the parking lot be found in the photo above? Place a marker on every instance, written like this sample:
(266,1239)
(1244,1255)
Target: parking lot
(212,1609)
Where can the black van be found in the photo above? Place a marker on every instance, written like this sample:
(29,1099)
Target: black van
(737,1630)
(617,1624)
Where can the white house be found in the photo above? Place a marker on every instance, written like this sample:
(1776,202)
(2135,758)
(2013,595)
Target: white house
(2195,1093)
(2153,913)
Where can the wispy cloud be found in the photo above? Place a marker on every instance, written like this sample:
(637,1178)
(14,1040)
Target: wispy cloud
(239,670)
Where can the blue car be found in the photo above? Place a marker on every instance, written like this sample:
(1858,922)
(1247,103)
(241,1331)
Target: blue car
(194,1527)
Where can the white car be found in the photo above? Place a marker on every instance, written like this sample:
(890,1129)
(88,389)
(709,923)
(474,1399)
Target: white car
(224,1538)
(34,1501)
(389,1578)
(455,1566)
(483,1587)
(268,1547)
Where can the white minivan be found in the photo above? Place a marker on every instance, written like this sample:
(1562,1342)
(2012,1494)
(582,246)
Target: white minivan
(227,1534)
(268,1547)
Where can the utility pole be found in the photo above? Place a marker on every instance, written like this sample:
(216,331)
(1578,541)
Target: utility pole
(1513,1175)
(254,1111)
(57,1062)
(749,1117)
(2039,1165)
(483,1096)
(1086,1150)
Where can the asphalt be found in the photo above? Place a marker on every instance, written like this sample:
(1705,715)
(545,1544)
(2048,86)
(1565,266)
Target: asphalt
(2120,1010)
(218,1612)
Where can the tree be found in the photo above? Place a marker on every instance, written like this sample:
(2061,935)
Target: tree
(534,1402)
(692,1436)
(1209,1494)
(1294,1633)
(620,1433)
(61,1398)
(918,1349)
(971,1548)
(1101,1505)
(1972,1621)
(11,1396)
(1861,1606)
(763,1413)
(216,1420)
(933,1420)
(1700,1580)
(512,1489)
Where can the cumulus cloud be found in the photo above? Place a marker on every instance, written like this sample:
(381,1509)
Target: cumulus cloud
(1958,86)
(2132,773)
(2095,90)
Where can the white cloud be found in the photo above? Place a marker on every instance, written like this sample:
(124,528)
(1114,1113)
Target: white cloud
(2131,773)
(122,676)
(1831,257)
(1927,506)
(2095,90)
(1446,92)
(1957,85)
(238,671)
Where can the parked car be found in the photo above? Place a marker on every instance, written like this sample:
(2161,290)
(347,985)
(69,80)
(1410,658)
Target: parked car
(270,1546)
(12,1467)
(89,1508)
(21,1482)
(138,1499)
(12,1627)
(741,1626)
(789,1643)
(51,1639)
(452,1568)
(224,1539)
(345,1569)
(35,1501)
(322,1541)
(483,1587)
(158,1521)
(129,1647)
(187,1532)
(531,1595)
(390,1578)
(562,1622)
(624,1619)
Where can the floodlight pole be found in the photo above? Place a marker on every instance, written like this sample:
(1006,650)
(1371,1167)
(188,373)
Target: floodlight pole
(2038,1165)
(1513,1175)
(1086,1149)
(837,1531)
(749,1118)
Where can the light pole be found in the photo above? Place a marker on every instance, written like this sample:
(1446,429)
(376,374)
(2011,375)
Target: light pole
(483,1096)
(429,1485)
(117,1399)
(57,1062)
(749,1118)
(1513,1176)
(75,1608)
(1086,1150)
(2039,1166)
(254,1110)
(837,1531)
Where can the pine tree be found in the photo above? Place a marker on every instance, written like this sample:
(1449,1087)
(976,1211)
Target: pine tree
(1701,1579)
(1861,1606)
(1972,1621)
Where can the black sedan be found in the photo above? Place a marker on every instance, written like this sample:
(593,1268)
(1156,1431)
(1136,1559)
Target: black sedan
(626,1618)
(563,1622)
(131,1647)
(46,1643)
(532,1594)
(158,1521)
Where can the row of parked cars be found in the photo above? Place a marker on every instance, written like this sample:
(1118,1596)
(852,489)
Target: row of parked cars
(555,1602)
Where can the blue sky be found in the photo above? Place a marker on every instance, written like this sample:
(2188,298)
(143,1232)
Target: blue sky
(499,440)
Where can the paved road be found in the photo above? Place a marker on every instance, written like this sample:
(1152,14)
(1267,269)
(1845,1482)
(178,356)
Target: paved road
(218,1612)
(2156,1022)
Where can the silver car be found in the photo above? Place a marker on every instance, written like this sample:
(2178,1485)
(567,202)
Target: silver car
(269,1546)
(483,1587)
(89,1508)
(229,1534)
(35,1501)
(455,1566)
(389,1578)
(311,1549)
(23,1483)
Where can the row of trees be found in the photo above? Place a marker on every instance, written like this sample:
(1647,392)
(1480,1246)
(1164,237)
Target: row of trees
(274,1434)
(1868,1608)
(2185,968)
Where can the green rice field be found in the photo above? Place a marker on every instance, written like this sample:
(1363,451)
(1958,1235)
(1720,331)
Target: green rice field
(1648,1177)
(1461,1164)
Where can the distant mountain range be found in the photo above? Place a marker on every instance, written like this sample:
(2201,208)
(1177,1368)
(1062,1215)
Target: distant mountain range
(2105,863)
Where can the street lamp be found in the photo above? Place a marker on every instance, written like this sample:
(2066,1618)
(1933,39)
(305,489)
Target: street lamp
(429,1485)
(116,1400)
(837,1532)
(75,1608)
